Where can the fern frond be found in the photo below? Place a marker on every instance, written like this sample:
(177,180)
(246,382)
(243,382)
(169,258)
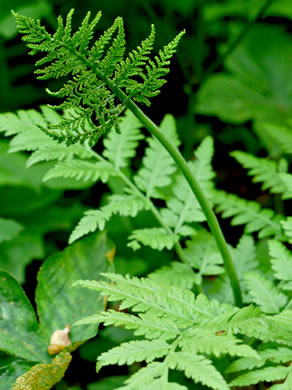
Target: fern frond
(244,256)
(287,226)
(124,205)
(155,71)
(264,293)
(145,295)
(134,63)
(176,274)
(281,261)
(146,377)
(58,152)
(276,328)
(198,368)
(157,165)
(249,213)
(182,207)
(202,254)
(119,148)
(197,340)
(287,183)
(22,120)
(82,170)
(134,351)
(92,75)
(277,355)
(169,302)
(156,238)
(263,171)
(267,374)
(281,134)
(143,325)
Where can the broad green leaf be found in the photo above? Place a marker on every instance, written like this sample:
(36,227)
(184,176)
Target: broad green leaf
(259,85)
(44,376)
(19,329)
(58,303)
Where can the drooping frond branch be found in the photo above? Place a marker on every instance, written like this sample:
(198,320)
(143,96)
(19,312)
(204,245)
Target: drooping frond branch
(94,107)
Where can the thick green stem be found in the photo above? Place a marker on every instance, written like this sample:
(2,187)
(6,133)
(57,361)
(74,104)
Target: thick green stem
(187,173)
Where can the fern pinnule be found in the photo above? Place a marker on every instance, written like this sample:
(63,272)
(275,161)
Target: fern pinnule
(198,368)
(281,261)
(267,374)
(182,208)
(82,170)
(287,227)
(263,170)
(275,355)
(124,205)
(264,293)
(248,213)
(156,238)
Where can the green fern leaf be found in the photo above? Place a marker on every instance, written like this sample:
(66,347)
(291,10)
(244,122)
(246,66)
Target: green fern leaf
(50,152)
(176,274)
(276,328)
(156,238)
(287,226)
(277,355)
(157,165)
(197,340)
(124,205)
(281,261)
(281,134)
(287,183)
(82,170)
(202,254)
(145,377)
(244,256)
(134,351)
(92,71)
(263,171)
(287,384)
(264,293)
(267,374)
(145,295)
(119,148)
(182,207)
(198,368)
(249,213)
(143,325)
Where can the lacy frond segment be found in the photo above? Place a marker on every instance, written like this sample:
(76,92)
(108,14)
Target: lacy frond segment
(93,70)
